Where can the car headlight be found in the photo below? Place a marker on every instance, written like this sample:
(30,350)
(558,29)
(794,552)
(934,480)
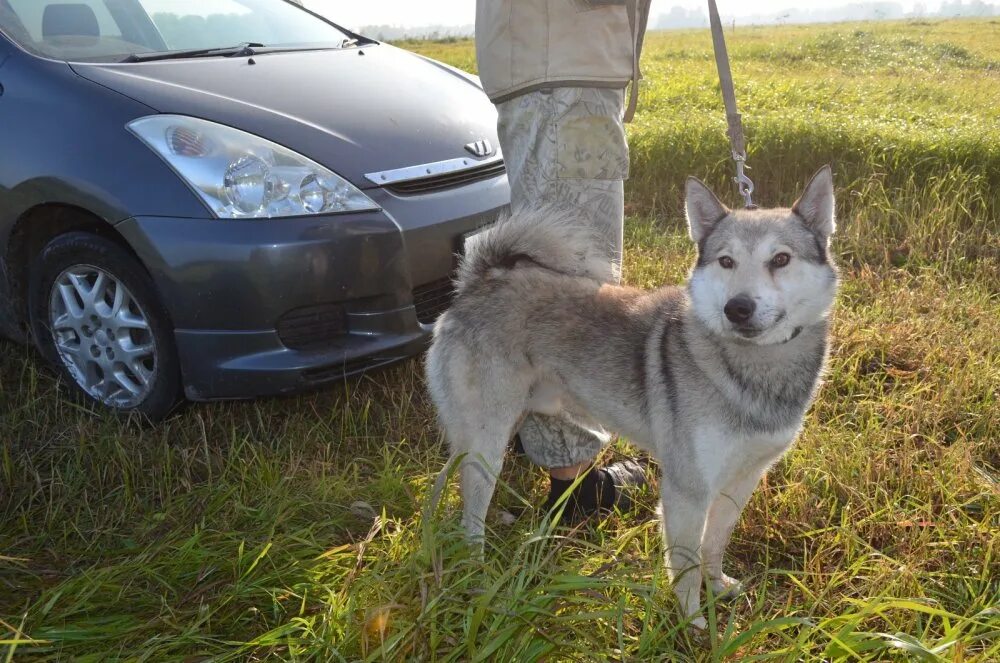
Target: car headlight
(242,176)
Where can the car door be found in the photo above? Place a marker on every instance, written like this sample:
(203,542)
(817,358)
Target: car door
(7,324)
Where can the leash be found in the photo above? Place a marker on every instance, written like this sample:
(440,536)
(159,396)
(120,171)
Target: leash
(638,16)
(733,117)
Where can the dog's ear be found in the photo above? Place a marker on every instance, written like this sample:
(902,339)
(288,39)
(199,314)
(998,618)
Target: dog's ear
(817,206)
(704,210)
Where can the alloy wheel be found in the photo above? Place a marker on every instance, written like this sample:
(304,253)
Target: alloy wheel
(102,336)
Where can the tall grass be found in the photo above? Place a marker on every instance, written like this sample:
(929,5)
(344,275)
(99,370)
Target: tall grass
(295,529)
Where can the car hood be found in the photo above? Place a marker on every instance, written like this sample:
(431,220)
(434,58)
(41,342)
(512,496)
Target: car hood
(355,111)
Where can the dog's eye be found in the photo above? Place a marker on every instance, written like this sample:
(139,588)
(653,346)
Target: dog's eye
(780,260)
(727,262)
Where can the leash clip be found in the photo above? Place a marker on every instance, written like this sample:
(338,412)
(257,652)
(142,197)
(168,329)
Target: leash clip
(743,181)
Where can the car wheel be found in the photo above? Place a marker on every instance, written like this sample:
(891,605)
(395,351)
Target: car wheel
(96,316)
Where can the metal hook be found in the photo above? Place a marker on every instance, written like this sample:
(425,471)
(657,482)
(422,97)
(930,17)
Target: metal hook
(743,182)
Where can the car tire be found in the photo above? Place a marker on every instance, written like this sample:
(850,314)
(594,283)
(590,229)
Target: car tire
(96,316)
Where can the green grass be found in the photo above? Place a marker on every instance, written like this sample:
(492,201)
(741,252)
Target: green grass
(294,529)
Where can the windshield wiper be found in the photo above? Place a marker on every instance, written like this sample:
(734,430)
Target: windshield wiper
(244,49)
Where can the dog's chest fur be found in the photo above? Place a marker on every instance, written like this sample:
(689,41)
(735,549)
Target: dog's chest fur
(726,398)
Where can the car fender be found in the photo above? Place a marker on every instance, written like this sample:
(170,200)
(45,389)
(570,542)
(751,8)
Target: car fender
(71,147)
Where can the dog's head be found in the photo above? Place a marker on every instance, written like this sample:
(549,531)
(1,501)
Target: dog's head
(762,275)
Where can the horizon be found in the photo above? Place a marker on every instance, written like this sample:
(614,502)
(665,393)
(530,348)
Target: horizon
(405,14)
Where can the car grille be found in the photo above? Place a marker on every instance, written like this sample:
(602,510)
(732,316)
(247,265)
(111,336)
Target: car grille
(432,299)
(448,180)
(312,327)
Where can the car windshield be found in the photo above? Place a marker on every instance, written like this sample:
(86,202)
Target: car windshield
(119,30)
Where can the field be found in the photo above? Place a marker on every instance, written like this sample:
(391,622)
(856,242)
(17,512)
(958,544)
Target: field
(294,529)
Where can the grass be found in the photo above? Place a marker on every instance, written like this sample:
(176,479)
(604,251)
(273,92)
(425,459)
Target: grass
(294,529)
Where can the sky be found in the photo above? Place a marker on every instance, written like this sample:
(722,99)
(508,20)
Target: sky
(406,13)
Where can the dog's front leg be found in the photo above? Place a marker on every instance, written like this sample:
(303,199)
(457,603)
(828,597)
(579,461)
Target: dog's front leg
(684,515)
(722,517)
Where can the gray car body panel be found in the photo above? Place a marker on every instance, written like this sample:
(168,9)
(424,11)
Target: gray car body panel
(225,283)
(64,142)
(358,110)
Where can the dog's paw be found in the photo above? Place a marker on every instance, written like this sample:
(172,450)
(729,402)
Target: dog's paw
(726,587)
(699,624)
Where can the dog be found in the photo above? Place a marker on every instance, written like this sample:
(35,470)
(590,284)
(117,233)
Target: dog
(713,380)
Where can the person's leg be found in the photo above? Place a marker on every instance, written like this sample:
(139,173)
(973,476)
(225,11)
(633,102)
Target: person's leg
(567,146)
(528,129)
(592,162)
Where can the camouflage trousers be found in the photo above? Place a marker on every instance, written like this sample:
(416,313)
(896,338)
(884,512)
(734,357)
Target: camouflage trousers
(567,146)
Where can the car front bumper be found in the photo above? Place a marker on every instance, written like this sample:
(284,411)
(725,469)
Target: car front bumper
(266,307)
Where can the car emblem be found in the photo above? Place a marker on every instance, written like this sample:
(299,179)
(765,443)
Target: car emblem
(481,148)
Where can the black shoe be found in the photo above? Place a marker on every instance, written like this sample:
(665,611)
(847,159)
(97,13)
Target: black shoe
(626,478)
(602,490)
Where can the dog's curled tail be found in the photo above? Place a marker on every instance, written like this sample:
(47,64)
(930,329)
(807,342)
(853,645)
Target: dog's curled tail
(549,237)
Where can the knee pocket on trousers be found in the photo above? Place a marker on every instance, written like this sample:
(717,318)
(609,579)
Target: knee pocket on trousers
(591,147)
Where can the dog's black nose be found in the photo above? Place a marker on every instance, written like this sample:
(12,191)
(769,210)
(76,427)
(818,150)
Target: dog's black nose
(739,309)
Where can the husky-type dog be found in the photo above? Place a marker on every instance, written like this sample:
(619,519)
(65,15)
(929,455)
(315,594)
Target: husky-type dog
(713,380)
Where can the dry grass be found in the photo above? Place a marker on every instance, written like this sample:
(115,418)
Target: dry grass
(293,529)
